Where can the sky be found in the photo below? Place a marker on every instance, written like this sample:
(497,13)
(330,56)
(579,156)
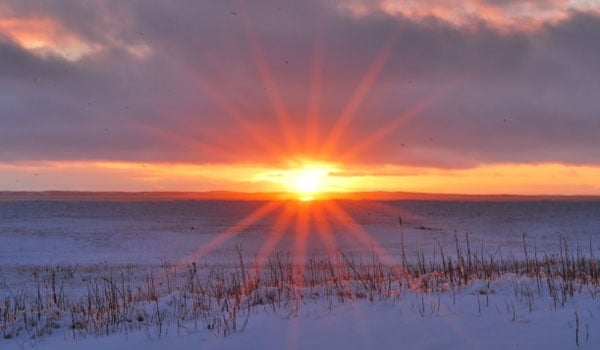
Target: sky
(476,96)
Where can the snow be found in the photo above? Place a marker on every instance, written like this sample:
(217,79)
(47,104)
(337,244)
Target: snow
(40,232)
(378,325)
(95,237)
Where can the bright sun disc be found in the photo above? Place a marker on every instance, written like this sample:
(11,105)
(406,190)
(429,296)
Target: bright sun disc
(305,182)
(308,182)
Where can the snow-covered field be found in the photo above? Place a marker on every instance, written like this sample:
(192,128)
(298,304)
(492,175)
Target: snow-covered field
(517,255)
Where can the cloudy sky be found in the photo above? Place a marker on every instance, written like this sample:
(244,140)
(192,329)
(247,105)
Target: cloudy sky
(476,96)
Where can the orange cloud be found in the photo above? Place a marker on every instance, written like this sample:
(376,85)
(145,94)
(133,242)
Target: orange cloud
(45,36)
(508,14)
(515,178)
(534,179)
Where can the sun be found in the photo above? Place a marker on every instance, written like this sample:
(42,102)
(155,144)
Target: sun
(303,180)
(307,183)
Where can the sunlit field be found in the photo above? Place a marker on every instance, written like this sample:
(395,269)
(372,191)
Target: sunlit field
(74,270)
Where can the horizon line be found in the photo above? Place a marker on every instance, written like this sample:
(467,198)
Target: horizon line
(275,195)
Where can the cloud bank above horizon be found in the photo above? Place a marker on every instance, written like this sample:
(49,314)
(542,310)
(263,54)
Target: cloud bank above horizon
(422,84)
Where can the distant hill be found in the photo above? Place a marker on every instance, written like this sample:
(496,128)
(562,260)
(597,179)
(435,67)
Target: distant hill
(265,196)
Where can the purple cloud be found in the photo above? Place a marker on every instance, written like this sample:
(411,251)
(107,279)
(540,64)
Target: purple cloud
(158,82)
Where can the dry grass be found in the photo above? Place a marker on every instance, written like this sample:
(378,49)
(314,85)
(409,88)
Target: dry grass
(103,300)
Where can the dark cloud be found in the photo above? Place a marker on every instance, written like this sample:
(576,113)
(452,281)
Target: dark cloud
(166,79)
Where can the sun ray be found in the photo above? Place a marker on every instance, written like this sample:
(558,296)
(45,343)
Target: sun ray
(260,60)
(275,235)
(299,254)
(255,134)
(228,234)
(360,93)
(228,149)
(222,238)
(301,241)
(313,107)
(324,228)
(281,225)
(343,218)
(331,246)
(392,126)
(188,142)
(225,150)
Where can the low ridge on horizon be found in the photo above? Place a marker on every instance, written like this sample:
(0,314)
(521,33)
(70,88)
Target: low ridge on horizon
(235,195)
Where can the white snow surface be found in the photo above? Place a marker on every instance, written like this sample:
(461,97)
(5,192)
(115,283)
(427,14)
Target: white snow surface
(142,234)
(364,325)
